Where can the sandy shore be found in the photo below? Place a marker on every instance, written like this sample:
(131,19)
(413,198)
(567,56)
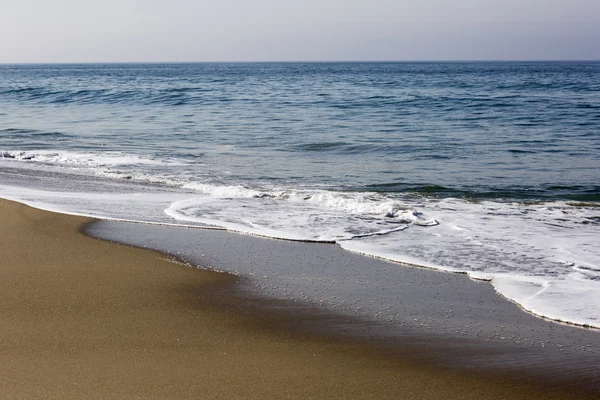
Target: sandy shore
(83,318)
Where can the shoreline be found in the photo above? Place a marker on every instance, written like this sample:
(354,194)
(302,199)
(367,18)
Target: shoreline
(85,318)
(409,264)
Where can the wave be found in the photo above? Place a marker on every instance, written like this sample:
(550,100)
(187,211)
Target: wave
(353,203)
(82,159)
(345,148)
(579,193)
(321,146)
(306,215)
(45,95)
(18,155)
(519,151)
(50,96)
(19,133)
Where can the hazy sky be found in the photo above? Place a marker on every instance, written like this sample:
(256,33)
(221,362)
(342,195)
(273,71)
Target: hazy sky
(285,30)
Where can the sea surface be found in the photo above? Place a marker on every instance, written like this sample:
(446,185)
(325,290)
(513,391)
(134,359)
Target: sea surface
(488,169)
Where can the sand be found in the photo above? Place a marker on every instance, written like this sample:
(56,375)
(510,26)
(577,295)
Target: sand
(84,318)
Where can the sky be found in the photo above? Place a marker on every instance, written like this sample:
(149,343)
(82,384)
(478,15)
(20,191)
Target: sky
(297,30)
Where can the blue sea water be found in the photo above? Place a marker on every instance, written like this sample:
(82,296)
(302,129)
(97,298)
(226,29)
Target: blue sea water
(491,169)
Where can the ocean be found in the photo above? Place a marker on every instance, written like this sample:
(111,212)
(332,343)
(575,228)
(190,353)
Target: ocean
(488,169)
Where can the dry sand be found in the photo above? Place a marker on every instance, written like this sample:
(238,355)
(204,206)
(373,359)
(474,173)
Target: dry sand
(82,318)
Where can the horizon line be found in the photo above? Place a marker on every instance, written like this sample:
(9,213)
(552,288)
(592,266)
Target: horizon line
(297,62)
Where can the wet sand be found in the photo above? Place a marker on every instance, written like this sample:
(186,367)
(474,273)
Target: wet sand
(84,318)
(447,318)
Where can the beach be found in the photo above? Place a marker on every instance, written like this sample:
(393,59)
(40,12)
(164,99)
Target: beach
(475,168)
(85,318)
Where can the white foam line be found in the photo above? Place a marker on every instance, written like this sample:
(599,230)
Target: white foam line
(44,207)
(545,317)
